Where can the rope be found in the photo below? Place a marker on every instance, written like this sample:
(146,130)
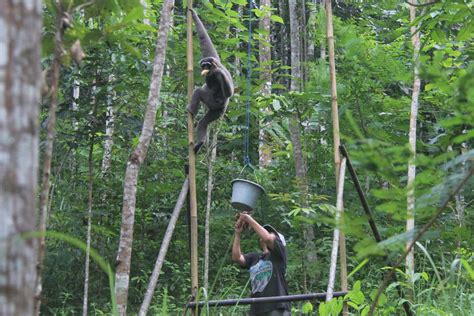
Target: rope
(249,74)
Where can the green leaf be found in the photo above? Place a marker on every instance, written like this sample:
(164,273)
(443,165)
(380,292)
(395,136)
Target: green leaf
(135,14)
(468,268)
(307,308)
(277,19)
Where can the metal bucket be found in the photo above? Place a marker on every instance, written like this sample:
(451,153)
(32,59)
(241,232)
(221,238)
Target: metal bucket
(245,194)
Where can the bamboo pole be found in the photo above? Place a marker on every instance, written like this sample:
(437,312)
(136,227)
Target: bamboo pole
(335,242)
(337,141)
(192,158)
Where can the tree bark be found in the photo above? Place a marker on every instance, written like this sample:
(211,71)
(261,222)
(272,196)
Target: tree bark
(415,37)
(109,127)
(48,154)
(20,84)
(164,249)
(265,59)
(336,236)
(295,44)
(122,274)
(211,154)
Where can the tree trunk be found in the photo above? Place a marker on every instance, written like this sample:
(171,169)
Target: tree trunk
(295,134)
(20,83)
(283,47)
(164,249)
(89,205)
(211,153)
(122,274)
(295,43)
(304,43)
(336,137)
(410,260)
(48,154)
(336,237)
(109,127)
(265,59)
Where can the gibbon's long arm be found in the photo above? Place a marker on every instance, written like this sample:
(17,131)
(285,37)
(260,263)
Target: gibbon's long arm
(207,48)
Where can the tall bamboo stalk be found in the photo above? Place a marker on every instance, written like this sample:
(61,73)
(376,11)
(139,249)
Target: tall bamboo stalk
(192,158)
(336,136)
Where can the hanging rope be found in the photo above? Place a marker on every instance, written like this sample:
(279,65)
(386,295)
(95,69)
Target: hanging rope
(249,75)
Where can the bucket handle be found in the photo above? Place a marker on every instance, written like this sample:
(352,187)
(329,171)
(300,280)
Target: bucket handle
(250,166)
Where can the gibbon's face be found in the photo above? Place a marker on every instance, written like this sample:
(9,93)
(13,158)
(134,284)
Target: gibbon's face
(206,67)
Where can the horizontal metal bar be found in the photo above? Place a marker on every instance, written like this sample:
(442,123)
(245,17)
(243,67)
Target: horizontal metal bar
(252,300)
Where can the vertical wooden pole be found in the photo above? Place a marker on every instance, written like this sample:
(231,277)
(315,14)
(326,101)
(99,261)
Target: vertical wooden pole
(336,136)
(192,158)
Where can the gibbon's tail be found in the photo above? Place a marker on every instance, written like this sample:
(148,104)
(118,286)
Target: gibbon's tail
(207,48)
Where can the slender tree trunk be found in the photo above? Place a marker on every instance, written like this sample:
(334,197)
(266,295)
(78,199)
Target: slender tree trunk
(89,205)
(336,237)
(410,260)
(284,50)
(48,154)
(322,48)
(295,43)
(310,45)
(20,83)
(265,59)
(295,134)
(302,181)
(164,249)
(211,154)
(109,127)
(304,43)
(122,274)
(336,137)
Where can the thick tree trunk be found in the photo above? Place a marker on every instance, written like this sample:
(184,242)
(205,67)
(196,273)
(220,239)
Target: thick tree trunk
(164,249)
(48,153)
(415,36)
(265,59)
(122,274)
(211,154)
(20,83)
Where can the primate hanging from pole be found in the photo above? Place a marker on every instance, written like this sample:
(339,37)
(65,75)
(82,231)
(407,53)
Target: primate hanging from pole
(217,90)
